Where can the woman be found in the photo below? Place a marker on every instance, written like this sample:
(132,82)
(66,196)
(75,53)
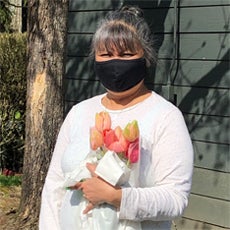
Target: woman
(122,47)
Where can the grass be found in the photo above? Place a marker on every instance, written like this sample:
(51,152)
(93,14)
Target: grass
(10,180)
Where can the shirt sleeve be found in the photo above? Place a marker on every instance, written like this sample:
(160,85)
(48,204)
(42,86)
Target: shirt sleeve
(172,166)
(53,192)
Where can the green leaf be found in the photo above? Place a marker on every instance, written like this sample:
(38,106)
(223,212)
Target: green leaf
(17,115)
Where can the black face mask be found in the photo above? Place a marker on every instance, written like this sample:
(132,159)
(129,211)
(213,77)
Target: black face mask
(119,75)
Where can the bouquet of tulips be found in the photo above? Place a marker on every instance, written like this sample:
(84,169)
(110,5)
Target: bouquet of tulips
(117,150)
(116,153)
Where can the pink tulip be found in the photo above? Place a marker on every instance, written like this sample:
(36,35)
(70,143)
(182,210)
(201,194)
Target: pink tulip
(133,151)
(102,121)
(96,138)
(131,131)
(115,141)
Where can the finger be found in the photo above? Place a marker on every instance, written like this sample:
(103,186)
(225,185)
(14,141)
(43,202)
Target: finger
(91,168)
(77,186)
(88,208)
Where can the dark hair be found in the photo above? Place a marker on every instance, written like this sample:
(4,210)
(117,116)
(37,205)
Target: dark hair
(124,29)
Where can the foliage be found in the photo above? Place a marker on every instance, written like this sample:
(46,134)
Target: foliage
(12,99)
(5,16)
(10,180)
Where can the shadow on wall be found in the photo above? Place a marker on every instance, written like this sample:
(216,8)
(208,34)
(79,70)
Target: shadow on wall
(207,115)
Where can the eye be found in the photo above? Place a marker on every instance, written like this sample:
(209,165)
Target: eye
(128,54)
(105,55)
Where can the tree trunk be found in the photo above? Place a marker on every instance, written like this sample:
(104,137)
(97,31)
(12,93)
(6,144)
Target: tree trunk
(45,70)
(16,10)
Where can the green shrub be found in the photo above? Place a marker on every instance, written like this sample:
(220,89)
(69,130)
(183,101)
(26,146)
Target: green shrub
(12,99)
(10,180)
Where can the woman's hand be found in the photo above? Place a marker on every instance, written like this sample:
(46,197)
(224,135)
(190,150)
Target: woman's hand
(98,191)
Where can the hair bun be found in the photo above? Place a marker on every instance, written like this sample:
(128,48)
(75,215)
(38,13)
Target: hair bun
(135,10)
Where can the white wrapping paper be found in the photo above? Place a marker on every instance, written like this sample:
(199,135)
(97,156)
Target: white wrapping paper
(113,170)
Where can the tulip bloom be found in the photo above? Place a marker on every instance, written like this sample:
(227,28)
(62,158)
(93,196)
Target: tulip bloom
(131,131)
(96,139)
(133,151)
(102,121)
(115,141)
(123,142)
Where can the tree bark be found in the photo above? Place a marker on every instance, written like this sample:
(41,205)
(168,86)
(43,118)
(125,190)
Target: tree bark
(44,115)
(16,9)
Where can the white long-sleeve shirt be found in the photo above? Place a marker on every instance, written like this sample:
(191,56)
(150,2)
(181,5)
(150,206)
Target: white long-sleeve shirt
(166,162)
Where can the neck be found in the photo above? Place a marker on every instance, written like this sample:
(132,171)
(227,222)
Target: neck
(125,99)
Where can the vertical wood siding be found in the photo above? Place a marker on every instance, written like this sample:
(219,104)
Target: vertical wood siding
(199,77)
(202,88)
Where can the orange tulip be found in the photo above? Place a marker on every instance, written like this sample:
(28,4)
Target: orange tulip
(96,139)
(102,121)
(131,131)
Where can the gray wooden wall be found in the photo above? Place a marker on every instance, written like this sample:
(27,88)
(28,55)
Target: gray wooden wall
(192,71)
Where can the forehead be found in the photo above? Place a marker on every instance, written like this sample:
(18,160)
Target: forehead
(112,45)
(116,36)
(112,49)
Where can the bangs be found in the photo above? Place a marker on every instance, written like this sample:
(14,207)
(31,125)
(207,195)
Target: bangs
(116,36)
